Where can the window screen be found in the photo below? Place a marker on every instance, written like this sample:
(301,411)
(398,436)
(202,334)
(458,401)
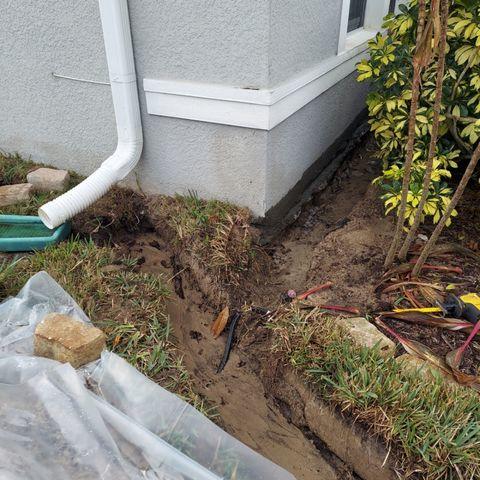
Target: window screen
(356,15)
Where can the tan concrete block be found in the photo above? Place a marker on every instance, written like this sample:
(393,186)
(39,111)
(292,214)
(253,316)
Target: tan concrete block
(63,338)
(12,194)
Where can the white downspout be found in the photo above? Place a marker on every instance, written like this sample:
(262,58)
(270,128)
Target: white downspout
(121,67)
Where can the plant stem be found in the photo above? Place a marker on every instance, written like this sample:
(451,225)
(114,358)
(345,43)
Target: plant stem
(417,70)
(453,203)
(434,135)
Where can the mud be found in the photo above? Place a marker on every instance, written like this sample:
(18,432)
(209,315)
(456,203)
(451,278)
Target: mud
(341,237)
(244,407)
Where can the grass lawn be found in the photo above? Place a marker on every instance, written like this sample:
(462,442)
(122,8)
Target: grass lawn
(216,233)
(128,305)
(434,427)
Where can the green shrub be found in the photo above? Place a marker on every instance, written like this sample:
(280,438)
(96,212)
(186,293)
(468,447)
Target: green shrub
(390,71)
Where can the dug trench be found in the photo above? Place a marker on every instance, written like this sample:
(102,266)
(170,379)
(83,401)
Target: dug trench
(340,236)
(259,400)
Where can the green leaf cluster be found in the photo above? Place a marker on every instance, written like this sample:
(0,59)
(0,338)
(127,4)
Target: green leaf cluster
(389,69)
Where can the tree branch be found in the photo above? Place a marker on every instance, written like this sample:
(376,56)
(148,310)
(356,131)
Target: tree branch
(434,136)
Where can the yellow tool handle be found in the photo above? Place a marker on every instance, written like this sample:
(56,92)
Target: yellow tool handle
(420,310)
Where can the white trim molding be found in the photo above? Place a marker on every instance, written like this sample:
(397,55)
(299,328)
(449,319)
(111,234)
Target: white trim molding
(261,109)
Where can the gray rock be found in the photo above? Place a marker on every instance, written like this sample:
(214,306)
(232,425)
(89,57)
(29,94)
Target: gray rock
(49,179)
(365,334)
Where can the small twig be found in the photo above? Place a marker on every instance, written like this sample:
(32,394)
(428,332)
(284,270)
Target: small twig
(313,290)
(412,299)
(339,308)
(176,274)
(451,206)
(439,268)
(452,127)
(445,339)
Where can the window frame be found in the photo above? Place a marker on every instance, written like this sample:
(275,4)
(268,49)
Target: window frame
(375,11)
(361,18)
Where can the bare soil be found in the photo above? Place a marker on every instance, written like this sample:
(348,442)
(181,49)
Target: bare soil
(336,221)
(341,236)
(244,408)
(253,404)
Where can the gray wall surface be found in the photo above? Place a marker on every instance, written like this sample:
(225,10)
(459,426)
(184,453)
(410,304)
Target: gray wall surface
(255,43)
(297,142)
(216,41)
(66,123)
(302,34)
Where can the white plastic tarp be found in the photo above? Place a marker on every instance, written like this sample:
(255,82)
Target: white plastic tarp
(103,421)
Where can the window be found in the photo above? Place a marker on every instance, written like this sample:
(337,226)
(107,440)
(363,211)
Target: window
(356,16)
(360,22)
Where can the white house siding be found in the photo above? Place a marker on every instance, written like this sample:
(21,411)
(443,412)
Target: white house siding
(250,44)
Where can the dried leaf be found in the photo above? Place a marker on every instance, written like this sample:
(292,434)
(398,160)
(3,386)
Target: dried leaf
(399,285)
(218,326)
(432,296)
(334,308)
(455,248)
(440,268)
(453,360)
(450,366)
(411,298)
(418,349)
(421,318)
(437,23)
(423,53)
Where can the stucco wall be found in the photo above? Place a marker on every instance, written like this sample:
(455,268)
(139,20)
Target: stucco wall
(202,40)
(71,124)
(302,34)
(216,161)
(227,43)
(252,43)
(62,122)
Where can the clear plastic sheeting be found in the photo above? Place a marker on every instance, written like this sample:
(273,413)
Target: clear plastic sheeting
(103,421)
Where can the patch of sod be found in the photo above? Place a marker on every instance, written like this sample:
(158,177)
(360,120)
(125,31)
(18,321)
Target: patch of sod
(218,234)
(127,305)
(434,427)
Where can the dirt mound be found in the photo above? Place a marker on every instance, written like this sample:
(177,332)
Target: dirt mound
(115,217)
(352,256)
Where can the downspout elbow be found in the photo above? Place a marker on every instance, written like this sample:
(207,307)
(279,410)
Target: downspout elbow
(79,198)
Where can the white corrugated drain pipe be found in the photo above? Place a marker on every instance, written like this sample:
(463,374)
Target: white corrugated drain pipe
(121,67)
